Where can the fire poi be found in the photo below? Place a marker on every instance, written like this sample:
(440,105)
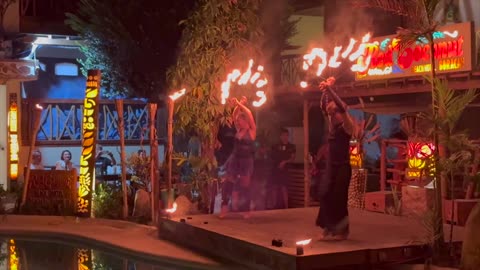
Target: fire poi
(247,77)
(324,61)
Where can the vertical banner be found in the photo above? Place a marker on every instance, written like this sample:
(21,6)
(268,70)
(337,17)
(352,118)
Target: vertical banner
(13,146)
(87,158)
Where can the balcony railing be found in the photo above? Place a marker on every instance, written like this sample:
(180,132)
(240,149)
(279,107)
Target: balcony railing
(61,122)
(291,71)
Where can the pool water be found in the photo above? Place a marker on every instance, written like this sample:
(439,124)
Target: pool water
(35,254)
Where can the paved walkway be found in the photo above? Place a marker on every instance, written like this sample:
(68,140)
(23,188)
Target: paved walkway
(127,236)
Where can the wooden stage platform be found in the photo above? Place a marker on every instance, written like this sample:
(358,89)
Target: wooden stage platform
(375,239)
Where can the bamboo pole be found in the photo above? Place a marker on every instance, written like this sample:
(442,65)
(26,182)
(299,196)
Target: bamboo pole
(153,162)
(37,114)
(170,104)
(121,130)
(306,156)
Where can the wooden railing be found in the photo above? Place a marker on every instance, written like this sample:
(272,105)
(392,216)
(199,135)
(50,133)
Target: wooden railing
(384,161)
(61,122)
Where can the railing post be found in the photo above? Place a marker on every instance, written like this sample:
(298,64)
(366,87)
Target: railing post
(383,165)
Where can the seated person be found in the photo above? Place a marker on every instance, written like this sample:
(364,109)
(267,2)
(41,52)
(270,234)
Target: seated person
(142,153)
(102,162)
(65,162)
(36,160)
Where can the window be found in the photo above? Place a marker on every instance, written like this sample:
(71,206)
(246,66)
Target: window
(66,69)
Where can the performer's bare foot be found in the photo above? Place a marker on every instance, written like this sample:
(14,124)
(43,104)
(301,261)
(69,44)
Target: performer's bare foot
(326,236)
(340,237)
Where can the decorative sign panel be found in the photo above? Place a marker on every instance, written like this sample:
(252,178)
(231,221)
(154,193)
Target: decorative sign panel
(453,53)
(51,193)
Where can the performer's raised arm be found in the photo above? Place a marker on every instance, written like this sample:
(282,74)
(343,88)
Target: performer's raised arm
(341,107)
(241,108)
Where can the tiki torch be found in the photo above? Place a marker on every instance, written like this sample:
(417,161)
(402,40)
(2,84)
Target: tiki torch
(300,246)
(171,103)
(37,114)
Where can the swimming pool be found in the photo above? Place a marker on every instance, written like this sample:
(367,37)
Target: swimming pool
(32,253)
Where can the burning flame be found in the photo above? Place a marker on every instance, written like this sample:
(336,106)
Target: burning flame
(174,96)
(173,209)
(249,76)
(322,59)
(304,242)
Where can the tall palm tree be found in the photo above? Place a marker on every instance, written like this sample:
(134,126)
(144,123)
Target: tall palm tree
(421,26)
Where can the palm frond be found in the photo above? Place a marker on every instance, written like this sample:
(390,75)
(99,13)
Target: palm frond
(430,7)
(449,104)
(420,14)
(399,7)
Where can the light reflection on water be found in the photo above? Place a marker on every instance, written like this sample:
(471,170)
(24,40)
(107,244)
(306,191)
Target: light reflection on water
(21,254)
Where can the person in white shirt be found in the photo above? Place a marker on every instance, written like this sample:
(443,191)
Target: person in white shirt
(65,162)
(36,160)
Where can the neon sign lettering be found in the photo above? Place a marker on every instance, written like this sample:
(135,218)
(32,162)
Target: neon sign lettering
(382,58)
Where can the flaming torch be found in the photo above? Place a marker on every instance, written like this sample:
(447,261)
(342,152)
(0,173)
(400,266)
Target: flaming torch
(170,211)
(247,77)
(171,103)
(301,245)
(319,59)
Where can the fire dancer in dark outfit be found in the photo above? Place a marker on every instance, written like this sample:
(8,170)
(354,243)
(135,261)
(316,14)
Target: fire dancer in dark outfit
(333,212)
(240,163)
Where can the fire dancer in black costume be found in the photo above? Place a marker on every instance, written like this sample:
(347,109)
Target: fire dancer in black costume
(333,212)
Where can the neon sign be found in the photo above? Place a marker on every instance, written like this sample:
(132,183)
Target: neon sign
(381,58)
(452,52)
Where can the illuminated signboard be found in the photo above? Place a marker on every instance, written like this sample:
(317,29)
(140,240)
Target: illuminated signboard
(355,155)
(421,161)
(13,146)
(87,159)
(453,52)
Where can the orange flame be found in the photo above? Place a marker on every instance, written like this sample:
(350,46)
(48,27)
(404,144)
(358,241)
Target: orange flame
(325,61)
(173,209)
(243,79)
(304,242)
(174,96)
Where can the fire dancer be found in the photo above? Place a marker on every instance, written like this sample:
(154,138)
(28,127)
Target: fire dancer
(240,163)
(333,213)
